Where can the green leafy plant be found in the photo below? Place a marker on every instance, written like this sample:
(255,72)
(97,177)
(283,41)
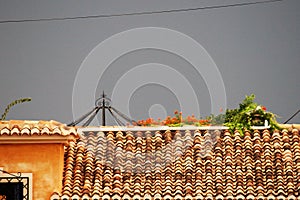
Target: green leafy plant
(13,104)
(216,119)
(249,114)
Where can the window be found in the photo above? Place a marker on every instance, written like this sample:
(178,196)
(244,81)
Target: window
(15,186)
(12,190)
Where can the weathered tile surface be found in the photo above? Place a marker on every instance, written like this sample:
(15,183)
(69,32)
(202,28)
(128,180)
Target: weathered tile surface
(188,164)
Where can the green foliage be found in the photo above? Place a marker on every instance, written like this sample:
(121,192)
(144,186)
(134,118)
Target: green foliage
(13,104)
(247,115)
(216,119)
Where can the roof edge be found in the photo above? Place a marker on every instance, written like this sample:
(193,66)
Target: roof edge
(156,128)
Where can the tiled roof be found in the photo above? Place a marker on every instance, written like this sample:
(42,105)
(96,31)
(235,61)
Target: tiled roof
(26,127)
(183,164)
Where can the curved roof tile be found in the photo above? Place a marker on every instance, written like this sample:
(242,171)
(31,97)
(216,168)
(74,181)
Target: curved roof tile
(192,164)
(26,127)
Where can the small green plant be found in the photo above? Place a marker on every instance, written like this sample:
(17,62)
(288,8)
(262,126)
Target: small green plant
(13,104)
(216,120)
(249,114)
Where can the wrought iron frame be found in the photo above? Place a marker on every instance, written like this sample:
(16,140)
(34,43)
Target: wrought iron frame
(103,104)
(12,178)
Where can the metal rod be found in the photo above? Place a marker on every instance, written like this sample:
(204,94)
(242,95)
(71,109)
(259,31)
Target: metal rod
(17,176)
(91,117)
(82,117)
(123,116)
(291,117)
(119,122)
(103,109)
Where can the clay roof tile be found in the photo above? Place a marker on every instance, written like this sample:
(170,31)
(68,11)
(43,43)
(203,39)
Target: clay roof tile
(183,164)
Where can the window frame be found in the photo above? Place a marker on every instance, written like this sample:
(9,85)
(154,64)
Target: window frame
(25,178)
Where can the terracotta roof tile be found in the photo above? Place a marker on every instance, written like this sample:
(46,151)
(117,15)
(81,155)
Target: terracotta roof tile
(26,127)
(183,164)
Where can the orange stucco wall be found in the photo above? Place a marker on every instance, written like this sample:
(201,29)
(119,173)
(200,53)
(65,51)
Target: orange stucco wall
(44,161)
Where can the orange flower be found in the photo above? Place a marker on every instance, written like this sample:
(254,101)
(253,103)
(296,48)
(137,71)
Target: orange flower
(204,122)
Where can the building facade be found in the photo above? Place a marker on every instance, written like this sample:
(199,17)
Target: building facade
(152,163)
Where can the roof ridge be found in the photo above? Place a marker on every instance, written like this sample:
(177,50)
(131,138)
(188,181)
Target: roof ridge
(40,127)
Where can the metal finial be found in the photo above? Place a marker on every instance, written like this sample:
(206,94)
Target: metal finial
(103,104)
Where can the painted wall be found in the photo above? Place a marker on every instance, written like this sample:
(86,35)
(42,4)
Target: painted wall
(44,161)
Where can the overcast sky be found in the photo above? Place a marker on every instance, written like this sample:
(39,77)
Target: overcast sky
(204,60)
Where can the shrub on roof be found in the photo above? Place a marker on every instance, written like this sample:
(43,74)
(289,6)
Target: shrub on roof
(247,115)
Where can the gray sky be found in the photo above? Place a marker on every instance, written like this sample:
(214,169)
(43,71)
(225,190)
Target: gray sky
(255,48)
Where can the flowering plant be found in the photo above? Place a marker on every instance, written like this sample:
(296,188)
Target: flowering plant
(247,115)
(176,121)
